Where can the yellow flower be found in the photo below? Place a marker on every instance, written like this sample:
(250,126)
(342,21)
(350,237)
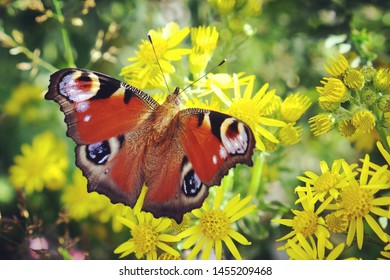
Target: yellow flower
(41,164)
(321,123)
(22,102)
(308,251)
(216,226)
(384,103)
(290,134)
(165,42)
(204,41)
(294,106)
(382,79)
(346,128)
(328,184)
(307,223)
(358,202)
(147,234)
(333,91)
(250,109)
(78,202)
(354,79)
(338,65)
(363,120)
(337,221)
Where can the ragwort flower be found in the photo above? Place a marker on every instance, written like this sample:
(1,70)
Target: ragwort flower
(337,65)
(144,67)
(78,202)
(294,106)
(216,227)
(147,234)
(308,251)
(307,224)
(41,164)
(327,184)
(358,202)
(250,109)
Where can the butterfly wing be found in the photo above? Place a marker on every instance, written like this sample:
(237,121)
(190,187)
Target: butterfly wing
(206,144)
(104,117)
(96,106)
(118,148)
(215,142)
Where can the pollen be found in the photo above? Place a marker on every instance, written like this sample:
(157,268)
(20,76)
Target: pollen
(356,201)
(325,182)
(363,120)
(215,225)
(337,222)
(145,239)
(306,223)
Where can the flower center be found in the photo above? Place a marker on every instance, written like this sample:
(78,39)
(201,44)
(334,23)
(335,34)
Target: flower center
(325,182)
(145,239)
(215,225)
(364,120)
(337,222)
(305,223)
(356,201)
(146,53)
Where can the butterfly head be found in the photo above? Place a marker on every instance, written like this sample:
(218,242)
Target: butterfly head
(174,98)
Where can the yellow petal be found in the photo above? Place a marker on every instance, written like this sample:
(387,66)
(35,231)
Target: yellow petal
(335,253)
(239,237)
(359,232)
(232,248)
(351,232)
(167,249)
(376,228)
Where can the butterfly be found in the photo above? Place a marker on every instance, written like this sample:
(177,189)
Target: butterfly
(125,139)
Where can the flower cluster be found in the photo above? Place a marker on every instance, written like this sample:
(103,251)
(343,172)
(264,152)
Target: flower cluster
(153,238)
(343,205)
(272,119)
(356,101)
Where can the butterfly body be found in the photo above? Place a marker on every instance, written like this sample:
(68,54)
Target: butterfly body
(125,139)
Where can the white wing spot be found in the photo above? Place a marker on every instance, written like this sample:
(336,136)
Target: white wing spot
(87,118)
(82,106)
(215,159)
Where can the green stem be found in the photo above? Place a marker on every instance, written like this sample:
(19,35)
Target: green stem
(38,60)
(257,171)
(65,36)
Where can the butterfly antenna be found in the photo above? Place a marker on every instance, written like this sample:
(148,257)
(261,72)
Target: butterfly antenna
(158,62)
(204,75)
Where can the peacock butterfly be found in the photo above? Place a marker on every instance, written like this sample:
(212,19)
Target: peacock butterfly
(125,139)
